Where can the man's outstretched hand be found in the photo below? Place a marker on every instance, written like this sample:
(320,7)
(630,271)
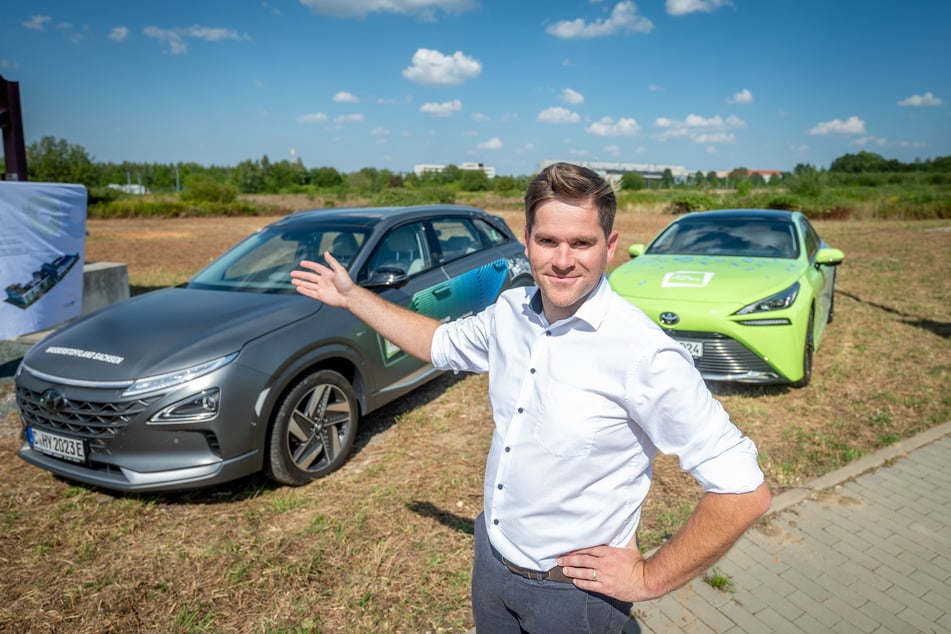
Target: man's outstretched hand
(330,284)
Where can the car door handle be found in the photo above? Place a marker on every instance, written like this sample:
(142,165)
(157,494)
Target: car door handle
(442,292)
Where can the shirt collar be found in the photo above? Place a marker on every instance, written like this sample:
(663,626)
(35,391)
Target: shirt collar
(592,311)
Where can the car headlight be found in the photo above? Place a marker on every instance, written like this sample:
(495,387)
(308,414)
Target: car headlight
(194,409)
(779,301)
(170,379)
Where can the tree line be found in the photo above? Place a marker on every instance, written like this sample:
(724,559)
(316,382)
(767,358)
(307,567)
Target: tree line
(56,160)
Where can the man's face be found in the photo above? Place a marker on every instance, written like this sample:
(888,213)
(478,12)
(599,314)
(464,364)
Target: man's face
(568,251)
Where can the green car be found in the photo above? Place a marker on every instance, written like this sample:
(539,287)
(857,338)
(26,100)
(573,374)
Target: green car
(748,292)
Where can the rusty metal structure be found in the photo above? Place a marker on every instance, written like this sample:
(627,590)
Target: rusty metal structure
(11,124)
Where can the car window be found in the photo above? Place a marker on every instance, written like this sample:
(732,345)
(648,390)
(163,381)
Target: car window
(404,248)
(741,237)
(263,262)
(490,233)
(457,237)
(810,236)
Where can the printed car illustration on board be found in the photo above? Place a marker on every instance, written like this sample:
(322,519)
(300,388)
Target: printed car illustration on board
(748,292)
(233,372)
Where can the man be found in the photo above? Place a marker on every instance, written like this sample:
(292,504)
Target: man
(585,390)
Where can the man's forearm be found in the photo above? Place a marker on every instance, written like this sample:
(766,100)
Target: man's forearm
(717,522)
(409,330)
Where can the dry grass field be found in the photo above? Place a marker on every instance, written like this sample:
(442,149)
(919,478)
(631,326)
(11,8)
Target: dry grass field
(384,544)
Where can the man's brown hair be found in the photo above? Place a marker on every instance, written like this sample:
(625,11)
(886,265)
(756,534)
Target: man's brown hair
(572,183)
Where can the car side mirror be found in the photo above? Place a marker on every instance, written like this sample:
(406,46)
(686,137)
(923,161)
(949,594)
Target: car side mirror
(829,257)
(635,250)
(388,276)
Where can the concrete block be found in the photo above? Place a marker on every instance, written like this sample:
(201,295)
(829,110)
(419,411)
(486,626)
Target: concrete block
(104,283)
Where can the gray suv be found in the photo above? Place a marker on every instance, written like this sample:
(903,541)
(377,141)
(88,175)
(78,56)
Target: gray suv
(233,372)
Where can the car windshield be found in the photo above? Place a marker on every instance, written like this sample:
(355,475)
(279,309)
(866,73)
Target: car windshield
(744,237)
(262,263)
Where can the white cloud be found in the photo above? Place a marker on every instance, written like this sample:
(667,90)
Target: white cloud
(612,150)
(348,118)
(558,115)
(175,38)
(495,143)
(683,7)
(699,129)
(609,127)
(910,144)
(444,109)
(424,9)
(623,19)
(742,97)
(5,63)
(345,97)
(926,99)
(380,132)
(37,22)
(170,38)
(852,125)
(478,116)
(119,33)
(571,96)
(315,117)
(656,88)
(867,141)
(213,34)
(432,68)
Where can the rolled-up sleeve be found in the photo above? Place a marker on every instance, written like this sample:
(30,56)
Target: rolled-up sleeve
(670,402)
(463,345)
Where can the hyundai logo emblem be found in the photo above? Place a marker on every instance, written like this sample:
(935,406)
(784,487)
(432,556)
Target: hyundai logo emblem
(669,318)
(53,400)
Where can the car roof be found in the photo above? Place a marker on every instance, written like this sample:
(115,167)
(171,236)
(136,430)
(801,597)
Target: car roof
(742,214)
(367,217)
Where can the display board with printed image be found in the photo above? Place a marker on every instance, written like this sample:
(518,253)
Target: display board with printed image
(42,252)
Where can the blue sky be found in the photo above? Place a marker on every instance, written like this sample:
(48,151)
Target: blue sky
(702,84)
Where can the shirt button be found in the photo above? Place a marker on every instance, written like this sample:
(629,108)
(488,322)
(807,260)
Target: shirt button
(500,487)
(496,522)
(548,333)
(520,410)
(508,449)
(532,370)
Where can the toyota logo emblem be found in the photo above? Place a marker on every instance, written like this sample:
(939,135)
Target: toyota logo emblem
(53,400)
(669,319)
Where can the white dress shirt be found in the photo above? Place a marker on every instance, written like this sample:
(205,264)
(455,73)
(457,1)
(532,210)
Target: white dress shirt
(581,407)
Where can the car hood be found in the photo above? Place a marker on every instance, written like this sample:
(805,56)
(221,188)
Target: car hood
(161,331)
(698,278)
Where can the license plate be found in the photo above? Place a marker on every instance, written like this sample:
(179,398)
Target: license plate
(71,449)
(695,348)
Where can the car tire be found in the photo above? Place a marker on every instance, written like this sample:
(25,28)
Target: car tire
(313,431)
(807,350)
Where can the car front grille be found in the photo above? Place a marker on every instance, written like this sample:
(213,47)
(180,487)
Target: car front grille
(725,357)
(97,422)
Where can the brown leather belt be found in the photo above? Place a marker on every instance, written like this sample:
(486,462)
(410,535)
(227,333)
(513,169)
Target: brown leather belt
(555,574)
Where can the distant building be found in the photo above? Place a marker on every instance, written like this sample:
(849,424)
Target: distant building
(613,172)
(431,168)
(766,174)
(138,190)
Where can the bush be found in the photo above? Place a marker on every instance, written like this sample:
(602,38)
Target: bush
(407,197)
(200,188)
(685,203)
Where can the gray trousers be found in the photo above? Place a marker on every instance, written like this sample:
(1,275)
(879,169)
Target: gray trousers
(503,601)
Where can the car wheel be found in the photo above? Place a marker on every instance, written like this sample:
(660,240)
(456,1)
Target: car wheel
(807,350)
(314,429)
